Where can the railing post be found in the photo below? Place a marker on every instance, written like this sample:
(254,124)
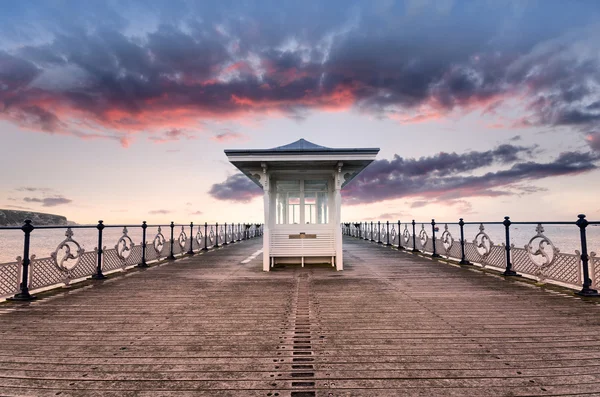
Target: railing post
(143,262)
(400,247)
(371,232)
(239,232)
(508,271)
(98,275)
(171,256)
(378,232)
(435,254)
(225,234)
(216,234)
(387,233)
(586,289)
(463,259)
(24,294)
(191,251)
(414,237)
(205,237)
(364,236)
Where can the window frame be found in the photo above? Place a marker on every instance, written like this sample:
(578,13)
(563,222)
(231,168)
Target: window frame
(303,211)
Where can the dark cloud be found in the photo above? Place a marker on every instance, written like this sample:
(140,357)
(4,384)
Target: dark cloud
(237,188)
(426,178)
(228,60)
(444,177)
(48,201)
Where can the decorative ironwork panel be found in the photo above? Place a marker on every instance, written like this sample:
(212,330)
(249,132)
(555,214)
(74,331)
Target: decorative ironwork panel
(152,255)
(136,255)
(521,262)
(110,260)
(429,245)
(409,243)
(123,248)
(85,267)
(9,278)
(158,246)
(594,264)
(182,240)
(406,238)
(540,249)
(176,248)
(196,245)
(446,241)
(471,252)
(422,239)
(566,268)
(497,256)
(45,273)
(455,251)
(68,253)
(393,236)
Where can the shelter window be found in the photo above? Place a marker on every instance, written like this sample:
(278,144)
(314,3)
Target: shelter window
(304,201)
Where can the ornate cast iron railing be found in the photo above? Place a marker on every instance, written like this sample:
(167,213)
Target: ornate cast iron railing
(538,259)
(70,262)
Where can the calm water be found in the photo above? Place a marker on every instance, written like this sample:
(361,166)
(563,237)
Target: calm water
(43,242)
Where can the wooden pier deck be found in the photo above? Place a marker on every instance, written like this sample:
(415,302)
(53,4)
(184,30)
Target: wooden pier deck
(390,324)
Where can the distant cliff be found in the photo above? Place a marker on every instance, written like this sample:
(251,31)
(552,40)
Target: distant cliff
(16,218)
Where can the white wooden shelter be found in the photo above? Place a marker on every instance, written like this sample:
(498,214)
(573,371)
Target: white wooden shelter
(302,199)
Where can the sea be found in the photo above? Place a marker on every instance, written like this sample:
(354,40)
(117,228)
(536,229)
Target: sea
(45,241)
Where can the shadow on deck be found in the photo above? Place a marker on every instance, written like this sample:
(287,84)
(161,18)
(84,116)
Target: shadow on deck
(390,324)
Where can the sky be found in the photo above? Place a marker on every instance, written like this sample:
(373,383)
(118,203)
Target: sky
(121,110)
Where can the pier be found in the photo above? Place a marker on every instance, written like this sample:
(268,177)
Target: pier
(214,324)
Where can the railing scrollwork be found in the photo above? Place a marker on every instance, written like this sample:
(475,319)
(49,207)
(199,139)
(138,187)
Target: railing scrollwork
(124,246)
(63,257)
(159,242)
(447,240)
(539,254)
(181,240)
(483,244)
(406,234)
(423,237)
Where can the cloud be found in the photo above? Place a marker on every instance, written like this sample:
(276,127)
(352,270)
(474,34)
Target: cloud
(419,204)
(594,140)
(237,188)
(196,213)
(171,136)
(48,201)
(111,80)
(159,212)
(227,136)
(18,207)
(450,176)
(388,215)
(444,178)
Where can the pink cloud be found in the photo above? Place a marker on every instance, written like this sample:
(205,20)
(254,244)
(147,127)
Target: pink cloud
(228,136)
